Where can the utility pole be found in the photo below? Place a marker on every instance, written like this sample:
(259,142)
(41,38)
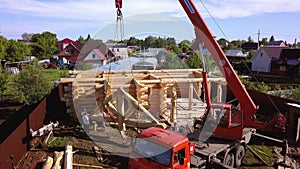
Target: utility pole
(258,34)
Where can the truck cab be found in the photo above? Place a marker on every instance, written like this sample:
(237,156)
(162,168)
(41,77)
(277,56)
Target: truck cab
(160,148)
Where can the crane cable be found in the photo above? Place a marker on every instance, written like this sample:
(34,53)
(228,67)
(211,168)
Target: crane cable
(119,29)
(249,70)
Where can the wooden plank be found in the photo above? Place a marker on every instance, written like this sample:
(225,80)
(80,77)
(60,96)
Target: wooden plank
(137,105)
(58,157)
(98,154)
(48,163)
(87,165)
(81,80)
(92,85)
(68,160)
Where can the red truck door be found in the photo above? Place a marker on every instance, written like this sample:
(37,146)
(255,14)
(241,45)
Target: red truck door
(181,157)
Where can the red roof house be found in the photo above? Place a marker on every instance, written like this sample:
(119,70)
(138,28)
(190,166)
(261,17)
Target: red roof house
(61,45)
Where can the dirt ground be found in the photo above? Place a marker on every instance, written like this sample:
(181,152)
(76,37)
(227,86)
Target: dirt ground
(84,155)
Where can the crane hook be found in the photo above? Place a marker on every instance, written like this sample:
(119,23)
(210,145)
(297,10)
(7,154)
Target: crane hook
(119,12)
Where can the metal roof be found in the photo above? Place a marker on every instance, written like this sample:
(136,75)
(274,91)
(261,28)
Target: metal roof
(126,64)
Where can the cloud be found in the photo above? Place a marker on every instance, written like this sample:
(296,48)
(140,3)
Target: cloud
(104,10)
(155,24)
(66,15)
(240,8)
(72,9)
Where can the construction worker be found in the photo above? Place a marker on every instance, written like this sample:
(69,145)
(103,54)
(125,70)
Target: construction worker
(85,121)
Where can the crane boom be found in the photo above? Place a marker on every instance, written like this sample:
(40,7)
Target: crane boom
(203,34)
(118,3)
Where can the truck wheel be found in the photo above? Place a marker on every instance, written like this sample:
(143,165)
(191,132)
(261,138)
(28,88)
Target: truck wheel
(239,155)
(229,159)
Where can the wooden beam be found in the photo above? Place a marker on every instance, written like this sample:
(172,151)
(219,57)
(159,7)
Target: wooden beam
(137,105)
(68,160)
(81,80)
(48,163)
(87,165)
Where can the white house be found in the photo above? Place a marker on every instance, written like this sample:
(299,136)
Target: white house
(119,50)
(261,61)
(96,58)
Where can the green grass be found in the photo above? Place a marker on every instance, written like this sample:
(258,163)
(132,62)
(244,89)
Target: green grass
(55,74)
(267,153)
(59,141)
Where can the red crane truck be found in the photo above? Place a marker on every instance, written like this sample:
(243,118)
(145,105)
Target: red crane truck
(220,141)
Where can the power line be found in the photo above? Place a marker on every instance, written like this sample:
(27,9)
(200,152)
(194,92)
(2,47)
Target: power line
(214,20)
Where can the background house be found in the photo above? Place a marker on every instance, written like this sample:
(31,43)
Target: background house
(276,43)
(73,49)
(119,50)
(247,46)
(288,63)
(269,59)
(94,52)
(238,59)
(95,57)
(62,44)
(261,61)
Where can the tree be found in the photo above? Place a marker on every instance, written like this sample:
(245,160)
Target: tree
(223,43)
(175,49)
(262,87)
(88,38)
(3,45)
(160,43)
(132,41)
(172,62)
(149,41)
(251,54)
(80,39)
(44,45)
(3,83)
(16,51)
(31,84)
(170,41)
(194,61)
(264,41)
(235,44)
(27,37)
(111,41)
(272,39)
(185,46)
(250,40)
(296,94)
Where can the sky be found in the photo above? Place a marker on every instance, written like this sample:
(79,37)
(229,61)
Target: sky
(236,19)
